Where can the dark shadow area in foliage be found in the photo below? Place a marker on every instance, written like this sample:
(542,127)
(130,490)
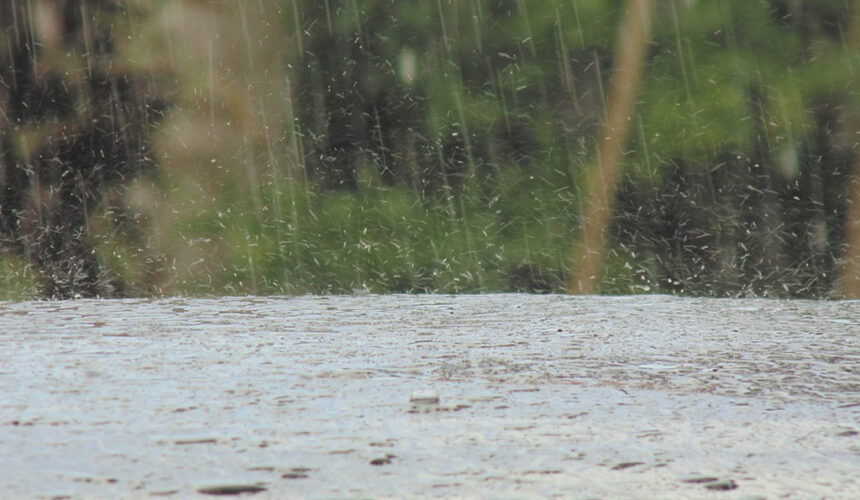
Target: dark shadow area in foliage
(728,228)
(531,278)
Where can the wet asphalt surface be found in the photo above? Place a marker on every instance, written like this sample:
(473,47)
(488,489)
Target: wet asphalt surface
(499,396)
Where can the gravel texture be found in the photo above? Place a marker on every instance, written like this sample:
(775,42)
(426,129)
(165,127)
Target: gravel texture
(501,396)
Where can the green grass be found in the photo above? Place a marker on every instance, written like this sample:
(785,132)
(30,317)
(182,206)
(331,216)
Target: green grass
(17,281)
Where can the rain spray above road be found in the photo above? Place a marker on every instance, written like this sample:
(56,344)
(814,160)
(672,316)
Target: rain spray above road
(209,147)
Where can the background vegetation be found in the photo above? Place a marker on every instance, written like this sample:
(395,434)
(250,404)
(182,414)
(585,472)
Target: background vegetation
(404,146)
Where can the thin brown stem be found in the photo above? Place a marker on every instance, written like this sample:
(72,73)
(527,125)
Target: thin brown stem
(601,179)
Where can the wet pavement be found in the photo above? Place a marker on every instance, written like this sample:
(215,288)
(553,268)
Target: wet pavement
(502,396)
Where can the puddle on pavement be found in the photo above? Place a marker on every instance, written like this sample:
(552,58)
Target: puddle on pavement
(230,489)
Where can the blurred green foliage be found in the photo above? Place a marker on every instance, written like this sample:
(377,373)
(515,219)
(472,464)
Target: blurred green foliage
(479,116)
(16,280)
(441,146)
